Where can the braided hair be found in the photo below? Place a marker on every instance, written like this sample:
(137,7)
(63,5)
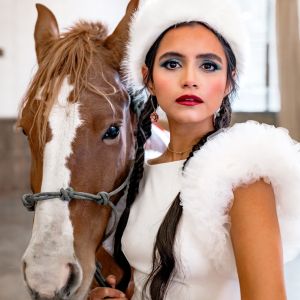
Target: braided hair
(142,135)
(163,258)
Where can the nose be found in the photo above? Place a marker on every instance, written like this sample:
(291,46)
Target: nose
(43,286)
(190,78)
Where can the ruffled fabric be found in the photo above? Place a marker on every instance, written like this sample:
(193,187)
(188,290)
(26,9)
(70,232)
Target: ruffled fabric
(239,156)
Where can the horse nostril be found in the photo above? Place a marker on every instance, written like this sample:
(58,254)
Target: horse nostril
(62,284)
(24,265)
(73,281)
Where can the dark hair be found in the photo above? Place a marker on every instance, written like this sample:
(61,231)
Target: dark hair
(163,253)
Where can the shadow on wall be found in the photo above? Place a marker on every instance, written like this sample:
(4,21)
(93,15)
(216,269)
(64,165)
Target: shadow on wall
(15,153)
(14,158)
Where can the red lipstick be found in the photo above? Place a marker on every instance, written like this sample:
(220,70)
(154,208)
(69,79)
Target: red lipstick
(189,100)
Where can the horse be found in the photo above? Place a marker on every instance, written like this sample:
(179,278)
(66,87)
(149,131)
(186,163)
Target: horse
(80,125)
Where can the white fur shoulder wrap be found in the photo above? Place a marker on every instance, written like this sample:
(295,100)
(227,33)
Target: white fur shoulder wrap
(237,156)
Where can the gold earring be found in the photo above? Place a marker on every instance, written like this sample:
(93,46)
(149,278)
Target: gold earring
(154,117)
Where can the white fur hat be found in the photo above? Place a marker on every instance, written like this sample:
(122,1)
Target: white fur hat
(155,16)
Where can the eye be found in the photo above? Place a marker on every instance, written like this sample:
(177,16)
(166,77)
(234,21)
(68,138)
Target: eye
(171,64)
(111,133)
(23,131)
(210,66)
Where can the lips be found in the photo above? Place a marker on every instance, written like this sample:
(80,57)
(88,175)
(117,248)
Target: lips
(189,100)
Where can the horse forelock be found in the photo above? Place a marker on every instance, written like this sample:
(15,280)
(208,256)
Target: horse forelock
(70,56)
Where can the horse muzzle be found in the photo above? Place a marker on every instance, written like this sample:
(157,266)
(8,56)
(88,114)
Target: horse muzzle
(59,282)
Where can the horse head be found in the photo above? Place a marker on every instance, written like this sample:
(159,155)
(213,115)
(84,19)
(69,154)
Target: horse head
(77,118)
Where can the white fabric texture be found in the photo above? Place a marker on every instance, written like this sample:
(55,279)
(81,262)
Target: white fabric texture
(205,266)
(146,215)
(241,155)
(147,25)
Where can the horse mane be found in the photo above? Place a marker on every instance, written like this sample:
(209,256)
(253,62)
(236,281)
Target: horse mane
(68,56)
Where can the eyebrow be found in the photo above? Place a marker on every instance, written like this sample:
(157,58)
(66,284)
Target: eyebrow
(203,56)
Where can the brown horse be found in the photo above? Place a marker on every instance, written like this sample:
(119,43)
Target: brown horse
(76,115)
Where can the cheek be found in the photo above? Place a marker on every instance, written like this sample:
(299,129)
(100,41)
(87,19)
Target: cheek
(214,90)
(163,84)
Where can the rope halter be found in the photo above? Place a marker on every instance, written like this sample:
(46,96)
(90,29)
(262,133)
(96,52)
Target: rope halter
(101,198)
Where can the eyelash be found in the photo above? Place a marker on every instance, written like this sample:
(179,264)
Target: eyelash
(211,64)
(167,63)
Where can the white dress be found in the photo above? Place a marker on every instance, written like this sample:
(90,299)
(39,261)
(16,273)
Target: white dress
(205,265)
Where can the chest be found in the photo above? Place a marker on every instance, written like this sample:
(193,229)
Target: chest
(147,213)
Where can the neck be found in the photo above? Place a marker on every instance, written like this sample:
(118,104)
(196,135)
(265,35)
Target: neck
(184,136)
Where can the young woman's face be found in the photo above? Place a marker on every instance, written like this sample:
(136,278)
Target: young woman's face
(189,74)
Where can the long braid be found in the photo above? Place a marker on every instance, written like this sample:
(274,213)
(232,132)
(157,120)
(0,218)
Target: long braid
(223,117)
(163,257)
(143,133)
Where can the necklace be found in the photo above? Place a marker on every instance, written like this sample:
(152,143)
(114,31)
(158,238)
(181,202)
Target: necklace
(178,152)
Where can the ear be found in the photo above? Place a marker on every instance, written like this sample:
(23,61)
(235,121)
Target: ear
(227,90)
(229,86)
(149,85)
(46,29)
(116,42)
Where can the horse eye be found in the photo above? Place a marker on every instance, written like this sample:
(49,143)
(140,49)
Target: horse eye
(24,132)
(111,133)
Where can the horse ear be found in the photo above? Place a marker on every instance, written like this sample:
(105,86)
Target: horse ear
(117,40)
(46,28)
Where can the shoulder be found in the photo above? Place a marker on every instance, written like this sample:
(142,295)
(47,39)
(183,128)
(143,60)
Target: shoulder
(255,190)
(260,142)
(239,157)
(252,204)
(243,154)
(256,240)
(156,160)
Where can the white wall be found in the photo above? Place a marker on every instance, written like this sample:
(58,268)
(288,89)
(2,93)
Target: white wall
(17,19)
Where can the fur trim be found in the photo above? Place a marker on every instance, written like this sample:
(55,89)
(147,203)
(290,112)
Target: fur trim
(239,156)
(155,16)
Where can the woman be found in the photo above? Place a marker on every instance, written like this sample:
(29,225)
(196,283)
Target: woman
(208,218)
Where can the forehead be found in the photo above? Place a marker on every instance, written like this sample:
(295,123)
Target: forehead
(104,86)
(191,39)
(101,72)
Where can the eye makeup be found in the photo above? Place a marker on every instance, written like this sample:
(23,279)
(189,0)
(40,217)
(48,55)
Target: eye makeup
(171,64)
(210,66)
(209,62)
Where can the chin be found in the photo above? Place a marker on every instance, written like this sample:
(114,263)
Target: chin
(192,119)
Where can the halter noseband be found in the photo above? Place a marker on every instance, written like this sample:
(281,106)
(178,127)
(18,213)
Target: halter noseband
(101,198)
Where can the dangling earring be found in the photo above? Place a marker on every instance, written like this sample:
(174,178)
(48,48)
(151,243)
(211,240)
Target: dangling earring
(154,117)
(216,116)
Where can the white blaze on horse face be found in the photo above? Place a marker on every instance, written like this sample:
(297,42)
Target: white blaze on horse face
(51,251)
